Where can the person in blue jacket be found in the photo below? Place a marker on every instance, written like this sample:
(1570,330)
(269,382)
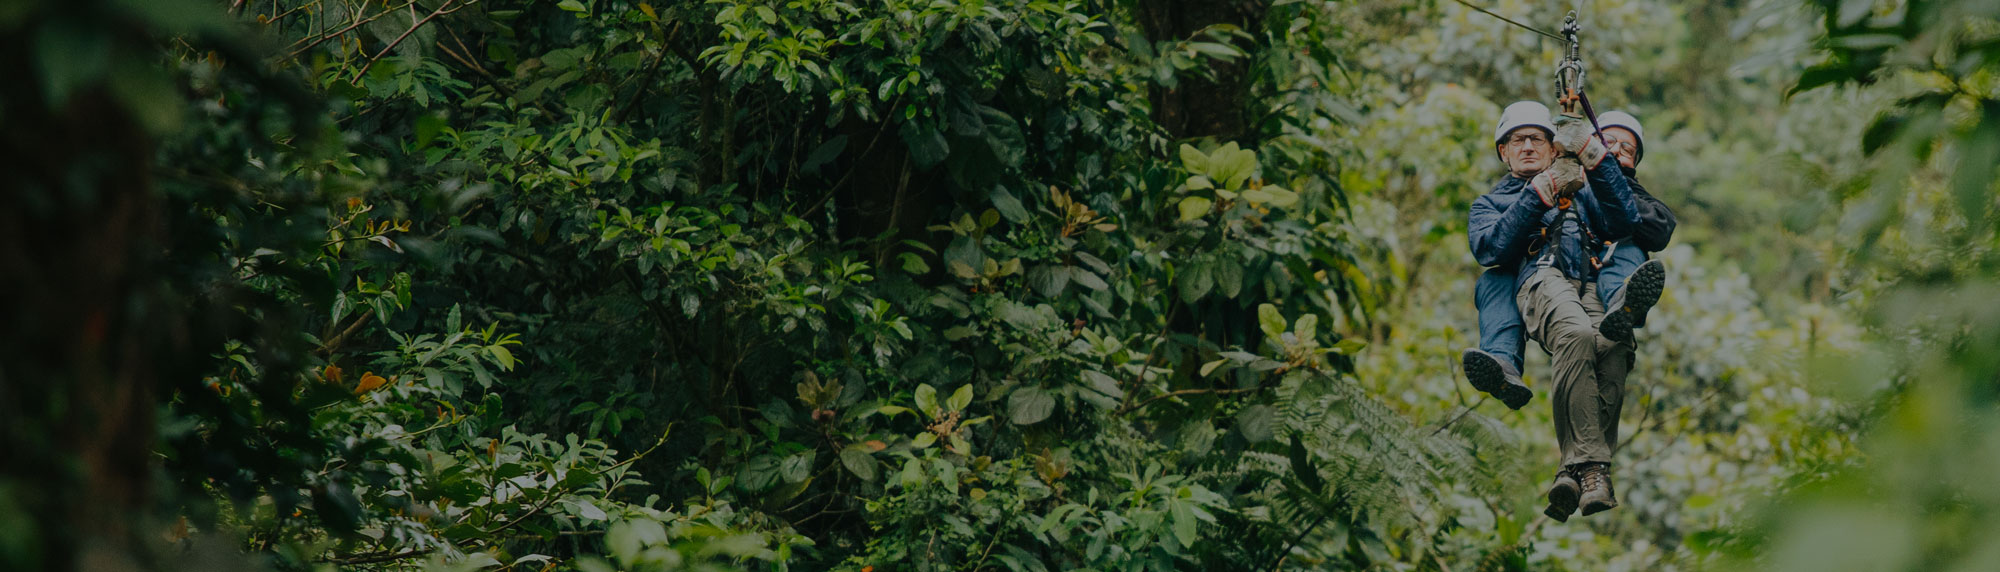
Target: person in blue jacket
(1544,223)
(1494,367)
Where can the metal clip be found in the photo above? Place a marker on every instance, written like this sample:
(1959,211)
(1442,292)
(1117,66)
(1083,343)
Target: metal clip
(1570,73)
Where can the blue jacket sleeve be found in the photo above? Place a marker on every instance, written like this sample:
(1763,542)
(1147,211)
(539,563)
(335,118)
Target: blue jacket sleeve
(1616,211)
(1500,232)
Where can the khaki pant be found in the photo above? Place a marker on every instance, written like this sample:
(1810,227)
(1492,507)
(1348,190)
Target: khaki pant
(1562,315)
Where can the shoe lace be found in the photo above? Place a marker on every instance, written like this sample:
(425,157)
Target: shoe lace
(1593,477)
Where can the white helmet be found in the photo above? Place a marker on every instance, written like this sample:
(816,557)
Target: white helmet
(1612,119)
(1522,114)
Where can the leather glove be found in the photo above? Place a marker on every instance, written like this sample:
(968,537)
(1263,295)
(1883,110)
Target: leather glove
(1563,178)
(1575,137)
(1545,188)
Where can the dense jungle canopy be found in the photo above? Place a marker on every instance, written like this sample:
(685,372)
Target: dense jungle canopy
(1023,285)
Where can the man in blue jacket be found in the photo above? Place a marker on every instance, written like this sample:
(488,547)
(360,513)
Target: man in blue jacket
(1543,222)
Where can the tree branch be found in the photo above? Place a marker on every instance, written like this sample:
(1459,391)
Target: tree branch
(343,31)
(334,344)
(1137,406)
(442,9)
(376,557)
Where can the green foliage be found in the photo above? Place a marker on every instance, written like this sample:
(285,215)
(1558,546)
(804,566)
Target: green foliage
(926,285)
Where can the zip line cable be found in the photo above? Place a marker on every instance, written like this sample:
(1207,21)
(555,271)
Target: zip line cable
(1511,21)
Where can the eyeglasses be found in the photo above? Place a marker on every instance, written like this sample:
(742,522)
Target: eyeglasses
(1532,139)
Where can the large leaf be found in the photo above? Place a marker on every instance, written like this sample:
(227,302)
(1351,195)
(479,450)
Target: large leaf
(1084,277)
(926,397)
(1193,159)
(1195,280)
(797,467)
(1229,276)
(858,461)
(1030,405)
(1194,208)
(1257,422)
(960,399)
(1048,279)
(1271,322)
(1008,205)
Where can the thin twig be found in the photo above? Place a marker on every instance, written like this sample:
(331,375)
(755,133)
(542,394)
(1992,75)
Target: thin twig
(334,344)
(1137,406)
(642,454)
(1663,420)
(377,557)
(442,10)
(343,31)
(1461,415)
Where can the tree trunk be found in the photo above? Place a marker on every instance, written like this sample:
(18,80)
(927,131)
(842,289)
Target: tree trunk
(78,241)
(1200,106)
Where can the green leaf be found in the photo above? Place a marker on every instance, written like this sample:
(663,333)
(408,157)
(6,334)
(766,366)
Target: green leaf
(1257,422)
(573,6)
(1306,327)
(825,153)
(1102,383)
(1232,166)
(1272,322)
(960,399)
(1184,522)
(1008,205)
(1229,276)
(1049,280)
(796,468)
(1197,437)
(927,146)
(913,472)
(1194,207)
(1195,281)
(1349,346)
(924,440)
(926,397)
(1209,368)
(1029,405)
(914,263)
(1303,468)
(589,511)
(1279,196)
(859,462)
(758,474)
(501,356)
(1824,74)
(1193,159)
(1084,277)
(1198,182)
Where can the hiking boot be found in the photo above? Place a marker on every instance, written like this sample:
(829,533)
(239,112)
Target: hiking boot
(1563,496)
(1642,291)
(1595,478)
(1496,377)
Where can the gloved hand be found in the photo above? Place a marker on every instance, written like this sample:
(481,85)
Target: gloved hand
(1575,137)
(1563,178)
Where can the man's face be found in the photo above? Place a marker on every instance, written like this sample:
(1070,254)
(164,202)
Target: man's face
(1526,150)
(1624,144)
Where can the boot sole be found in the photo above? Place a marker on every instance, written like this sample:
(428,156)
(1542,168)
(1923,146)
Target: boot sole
(1562,502)
(1485,374)
(1642,291)
(1597,507)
